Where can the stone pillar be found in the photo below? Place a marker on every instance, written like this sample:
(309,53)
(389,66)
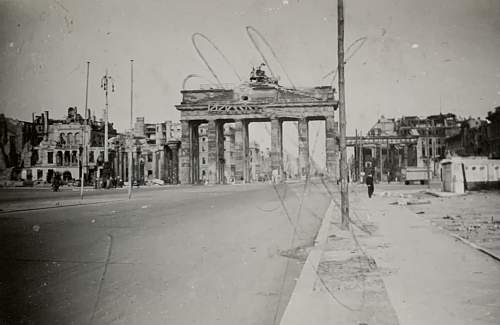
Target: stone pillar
(195,153)
(276,146)
(381,157)
(167,156)
(155,165)
(246,152)
(220,153)
(162,164)
(332,163)
(213,152)
(125,166)
(118,163)
(174,163)
(405,156)
(185,154)
(241,144)
(303,132)
(240,150)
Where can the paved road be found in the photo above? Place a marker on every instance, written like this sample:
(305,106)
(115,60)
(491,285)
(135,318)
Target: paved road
(192,255)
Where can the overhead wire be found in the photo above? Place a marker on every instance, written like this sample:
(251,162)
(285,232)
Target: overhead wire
(349,55)
(194,75)
(202,57)
(251,29)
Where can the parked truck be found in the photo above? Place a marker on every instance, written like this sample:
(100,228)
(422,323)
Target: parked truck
(415,174)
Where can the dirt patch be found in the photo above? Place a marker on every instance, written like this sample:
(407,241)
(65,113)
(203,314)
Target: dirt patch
(475,217)
(356,285)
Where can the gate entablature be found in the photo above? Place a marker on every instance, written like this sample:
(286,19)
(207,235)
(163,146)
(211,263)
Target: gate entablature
(260,100)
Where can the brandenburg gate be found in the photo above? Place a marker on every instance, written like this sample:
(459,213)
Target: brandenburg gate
(260,100)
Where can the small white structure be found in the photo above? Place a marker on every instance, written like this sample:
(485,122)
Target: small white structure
(461,173)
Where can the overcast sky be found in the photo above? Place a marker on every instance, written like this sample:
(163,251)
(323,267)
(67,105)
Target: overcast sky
(418,54)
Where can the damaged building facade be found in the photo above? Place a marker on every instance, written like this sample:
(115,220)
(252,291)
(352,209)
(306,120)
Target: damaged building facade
(154,149)
(60,145)
(393,145)
(17,139)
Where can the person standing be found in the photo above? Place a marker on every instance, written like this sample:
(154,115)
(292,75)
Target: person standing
(369,183)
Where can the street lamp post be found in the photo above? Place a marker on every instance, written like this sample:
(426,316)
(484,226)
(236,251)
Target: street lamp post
(106,83)
(131,136)
(83,158)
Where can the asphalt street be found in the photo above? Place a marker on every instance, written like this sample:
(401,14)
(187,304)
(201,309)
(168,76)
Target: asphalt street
(185,255)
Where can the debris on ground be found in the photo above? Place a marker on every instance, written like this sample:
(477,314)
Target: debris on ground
(299,253)
(471,217)
(403,202)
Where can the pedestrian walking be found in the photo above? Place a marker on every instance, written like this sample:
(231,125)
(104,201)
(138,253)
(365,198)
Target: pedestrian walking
(56,182)
(369,183)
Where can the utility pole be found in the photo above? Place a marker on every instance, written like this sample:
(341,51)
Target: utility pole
(429,148)
(381,162)
(106,82)
(344,195)
(356,157)
(84,144)
(360,155)
(131,136)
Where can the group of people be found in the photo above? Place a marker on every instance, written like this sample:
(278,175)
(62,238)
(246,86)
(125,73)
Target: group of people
(112,182)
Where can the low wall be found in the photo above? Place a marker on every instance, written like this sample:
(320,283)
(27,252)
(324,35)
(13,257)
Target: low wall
(474,172)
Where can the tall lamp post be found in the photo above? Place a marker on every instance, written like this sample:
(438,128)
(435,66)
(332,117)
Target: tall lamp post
(131,136)
(83,158)
(107,84)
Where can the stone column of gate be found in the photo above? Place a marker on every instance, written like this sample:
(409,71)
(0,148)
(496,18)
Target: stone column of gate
(185,159)
(303,132)
(240,150)
(220,153)
(167,173)
(174,163)
(162,164)
(245,151)
(195,153)
(331,148)
(276,146)
(213,152)
(154,164)
(405,156)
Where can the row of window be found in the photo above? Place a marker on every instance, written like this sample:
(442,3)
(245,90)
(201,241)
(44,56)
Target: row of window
(70,138)
(67,156)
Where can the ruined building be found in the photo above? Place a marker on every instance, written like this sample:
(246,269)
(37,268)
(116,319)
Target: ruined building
(60,146)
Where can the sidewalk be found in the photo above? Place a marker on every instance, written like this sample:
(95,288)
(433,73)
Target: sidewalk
(394,267)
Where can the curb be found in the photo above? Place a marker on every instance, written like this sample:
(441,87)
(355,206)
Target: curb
(57,205)
(444,194)
(479,248)
(468,242)
(465,241)
(307,278)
